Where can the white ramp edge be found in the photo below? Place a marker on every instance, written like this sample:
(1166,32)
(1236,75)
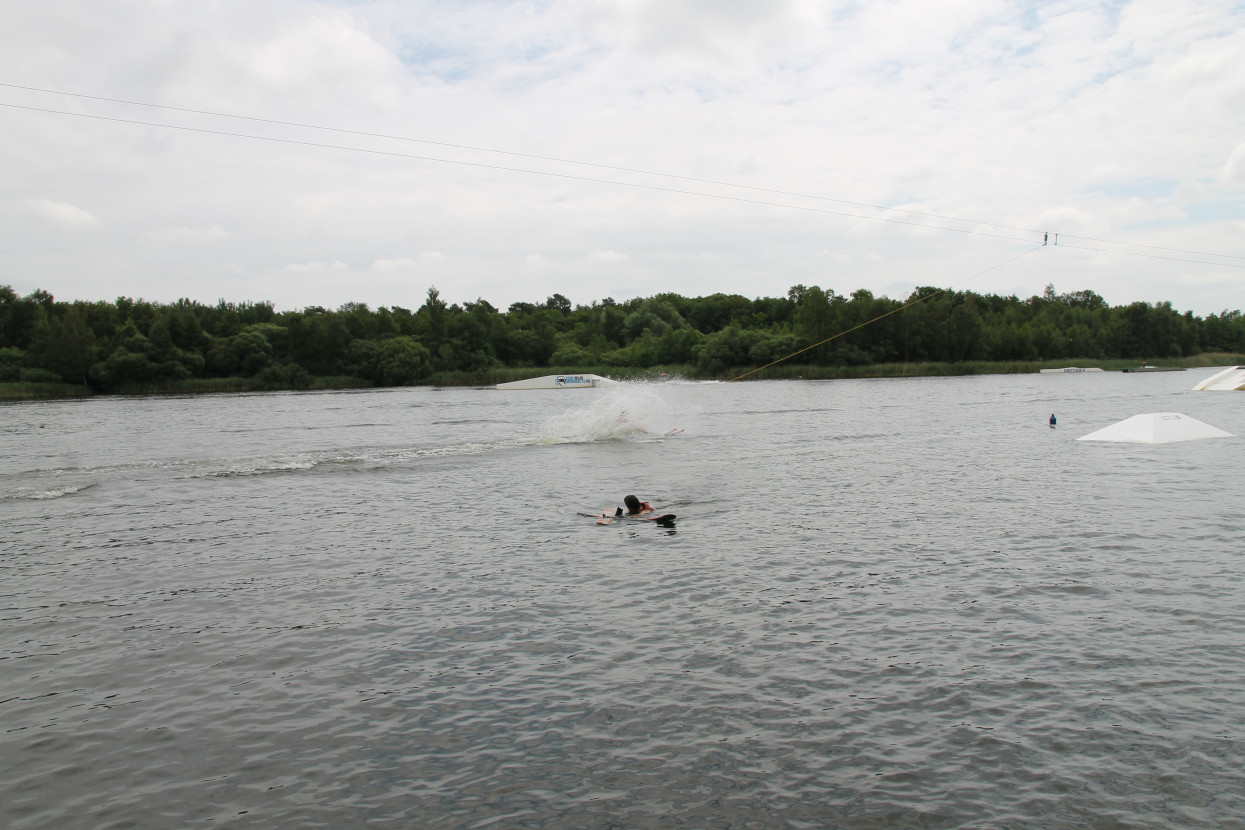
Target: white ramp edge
(1230,379)
(1157,428)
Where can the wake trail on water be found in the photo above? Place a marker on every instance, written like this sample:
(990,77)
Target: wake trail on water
(47,491)
(633,411)
(43,484)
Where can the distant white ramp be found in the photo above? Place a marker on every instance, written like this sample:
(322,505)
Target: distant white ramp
(559,382)
(1069,370)
(1157,428)
(1231,378)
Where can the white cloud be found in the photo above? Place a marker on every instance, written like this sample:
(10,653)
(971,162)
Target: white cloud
(185,235)
(1114,120)
(704,34)
(62,214)
(1233,173)
(607,256)
(315,267)
(389,266)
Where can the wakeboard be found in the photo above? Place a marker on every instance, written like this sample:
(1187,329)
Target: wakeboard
(609,517)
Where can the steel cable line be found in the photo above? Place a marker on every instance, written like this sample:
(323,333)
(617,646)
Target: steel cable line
(512,153)
(505,168)
(594,180)
(604,167)
(859,326)
(1152,256)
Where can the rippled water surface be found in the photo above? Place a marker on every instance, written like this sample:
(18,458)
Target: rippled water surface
(888,603)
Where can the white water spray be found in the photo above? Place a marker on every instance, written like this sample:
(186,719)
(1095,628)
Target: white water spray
(630,411)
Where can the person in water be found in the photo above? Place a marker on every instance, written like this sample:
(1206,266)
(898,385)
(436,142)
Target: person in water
(635,507)
(623,422)
(1052,419)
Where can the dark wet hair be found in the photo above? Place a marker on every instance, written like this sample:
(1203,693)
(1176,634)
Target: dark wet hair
(633,504)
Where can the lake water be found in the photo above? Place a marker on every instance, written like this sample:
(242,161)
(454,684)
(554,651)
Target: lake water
(884,603)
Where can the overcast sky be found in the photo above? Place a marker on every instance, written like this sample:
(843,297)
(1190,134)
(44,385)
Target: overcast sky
(621,148)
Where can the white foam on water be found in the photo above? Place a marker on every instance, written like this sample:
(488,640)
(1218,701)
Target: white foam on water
(634,410)
(42,484)
(42,493)
(299,462)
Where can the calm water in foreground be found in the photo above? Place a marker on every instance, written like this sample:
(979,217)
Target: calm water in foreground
(890,603)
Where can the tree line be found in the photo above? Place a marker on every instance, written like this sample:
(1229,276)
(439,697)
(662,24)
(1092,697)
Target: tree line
(130,344)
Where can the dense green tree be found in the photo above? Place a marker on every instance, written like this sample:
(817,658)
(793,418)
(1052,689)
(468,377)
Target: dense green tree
(678,345)
(606,327)
(184,327)
(726,349)
(124,368)
(531,335)
(12,361)
(717,311)
(404,360)
(396,361)
(816,319)
(250,352)
(652,317)
(17,315)
(559,303)
(1224,332)
(571,354)
(773,347)
(965,336)
(284,376)
(433,321)
(136,344)
(63,344)
(318,341)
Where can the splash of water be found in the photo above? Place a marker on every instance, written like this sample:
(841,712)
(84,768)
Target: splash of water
(634,410)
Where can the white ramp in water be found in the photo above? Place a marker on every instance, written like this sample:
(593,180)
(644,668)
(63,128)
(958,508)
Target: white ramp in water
(1231,378)
(559,382)
(1157,428)
(1069,370)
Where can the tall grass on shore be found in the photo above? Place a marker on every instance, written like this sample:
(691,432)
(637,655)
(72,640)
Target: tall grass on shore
(971,367)
(193,386)
(24,390)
